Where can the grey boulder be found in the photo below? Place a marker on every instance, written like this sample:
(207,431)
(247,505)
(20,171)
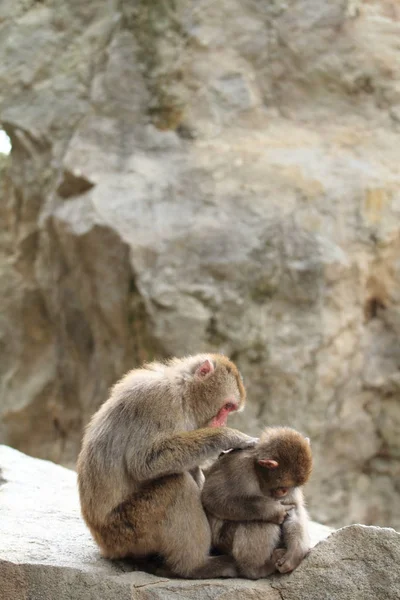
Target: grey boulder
(46,553)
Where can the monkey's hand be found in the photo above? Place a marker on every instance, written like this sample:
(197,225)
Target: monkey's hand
(281,513)
(289,506)
(278,516)
(236,439)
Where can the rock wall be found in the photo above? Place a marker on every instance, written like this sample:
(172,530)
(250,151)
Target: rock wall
(190,176)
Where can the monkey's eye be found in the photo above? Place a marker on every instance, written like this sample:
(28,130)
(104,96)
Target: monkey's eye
(230,406)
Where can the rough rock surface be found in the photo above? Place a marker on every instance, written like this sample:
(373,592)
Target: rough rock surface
(46,552)
(188,176)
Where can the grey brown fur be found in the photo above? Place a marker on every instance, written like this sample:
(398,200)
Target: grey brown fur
(257,515)
(138,470)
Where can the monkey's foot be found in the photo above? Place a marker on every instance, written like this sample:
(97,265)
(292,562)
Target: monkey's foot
(215,566)
(286,561)
(252,572)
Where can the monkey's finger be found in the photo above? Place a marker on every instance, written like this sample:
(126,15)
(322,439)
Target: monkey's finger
(237,440)
(248,442)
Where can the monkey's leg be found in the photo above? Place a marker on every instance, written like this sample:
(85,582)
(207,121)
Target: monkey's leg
(132,529)
(296,541)
(186,538)
(252,549)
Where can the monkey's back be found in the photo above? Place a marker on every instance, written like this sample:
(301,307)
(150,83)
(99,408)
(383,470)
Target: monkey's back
(233,471)
(122,430)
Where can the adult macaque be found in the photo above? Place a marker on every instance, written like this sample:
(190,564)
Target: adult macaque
(138,470)
(255,503)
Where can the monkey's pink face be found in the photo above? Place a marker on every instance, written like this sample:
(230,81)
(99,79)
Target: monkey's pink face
(220,419)
(221,389)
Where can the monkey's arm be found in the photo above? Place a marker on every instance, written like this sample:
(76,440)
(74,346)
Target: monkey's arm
(295,536)
(184,451)
(198,476)
(232,493)
(295,530)
(245,508)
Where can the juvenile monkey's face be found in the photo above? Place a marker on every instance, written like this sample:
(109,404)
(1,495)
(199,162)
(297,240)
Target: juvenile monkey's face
(219,391)
(279,480)
(283,458)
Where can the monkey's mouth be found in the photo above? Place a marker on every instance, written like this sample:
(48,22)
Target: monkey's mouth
(280,492)
(220,419)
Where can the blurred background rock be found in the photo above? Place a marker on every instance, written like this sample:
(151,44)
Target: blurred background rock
(198,175)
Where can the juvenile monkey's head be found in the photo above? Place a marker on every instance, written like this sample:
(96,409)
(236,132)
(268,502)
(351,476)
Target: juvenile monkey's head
(283,459)
(214,390)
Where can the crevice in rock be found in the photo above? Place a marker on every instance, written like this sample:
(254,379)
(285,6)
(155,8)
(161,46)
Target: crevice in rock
(145,585)
(215,337)
(73,184)
(157,26)
(372,308)
(145,347)
(274,587)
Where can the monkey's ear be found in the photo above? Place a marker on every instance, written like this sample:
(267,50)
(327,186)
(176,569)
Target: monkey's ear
(205,369)
(268,463)
(308,441)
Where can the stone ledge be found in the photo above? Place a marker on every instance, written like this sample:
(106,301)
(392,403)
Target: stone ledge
(47,553)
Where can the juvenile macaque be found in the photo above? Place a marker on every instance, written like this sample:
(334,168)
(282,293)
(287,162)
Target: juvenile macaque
(139,468)
(255,503)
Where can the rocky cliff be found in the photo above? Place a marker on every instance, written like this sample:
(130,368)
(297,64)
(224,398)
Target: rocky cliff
(190,176)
